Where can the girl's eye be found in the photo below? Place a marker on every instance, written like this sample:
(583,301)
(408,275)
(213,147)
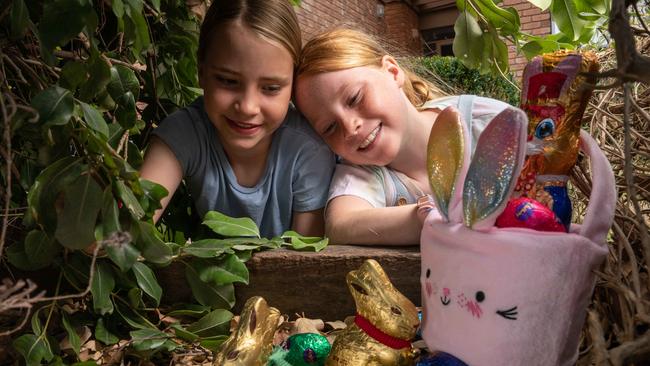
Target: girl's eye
(355,99)
(545,128)
(272,88)
(329,129)
(226,81)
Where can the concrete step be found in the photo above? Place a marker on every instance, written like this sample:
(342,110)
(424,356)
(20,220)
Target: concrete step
(309,283)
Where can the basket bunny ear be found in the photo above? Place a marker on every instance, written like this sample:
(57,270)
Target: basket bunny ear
(447,157)
(497,162)
(533,68)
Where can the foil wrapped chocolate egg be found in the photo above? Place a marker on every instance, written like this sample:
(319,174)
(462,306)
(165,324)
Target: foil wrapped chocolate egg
(439,359)
(525,212)
(307,349)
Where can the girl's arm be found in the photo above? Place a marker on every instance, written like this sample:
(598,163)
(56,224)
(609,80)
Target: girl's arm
(308,223)
(161,166)
(353,220)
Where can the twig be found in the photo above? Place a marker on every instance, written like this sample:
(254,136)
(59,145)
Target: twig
(629,178)
(7,155)
(628,352)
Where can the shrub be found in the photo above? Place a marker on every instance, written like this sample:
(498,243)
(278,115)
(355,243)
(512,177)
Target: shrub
(456,78)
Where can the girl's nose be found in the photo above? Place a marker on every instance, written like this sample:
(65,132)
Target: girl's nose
(352,126)
(248,103)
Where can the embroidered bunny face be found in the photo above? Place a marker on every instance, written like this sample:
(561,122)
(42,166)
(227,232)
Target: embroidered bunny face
(473,300)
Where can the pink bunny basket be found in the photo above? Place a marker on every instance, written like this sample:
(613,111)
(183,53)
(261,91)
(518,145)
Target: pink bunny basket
(504,296)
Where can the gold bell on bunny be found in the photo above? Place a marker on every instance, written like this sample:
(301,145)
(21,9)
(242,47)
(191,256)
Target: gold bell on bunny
(385,323)
(252,342)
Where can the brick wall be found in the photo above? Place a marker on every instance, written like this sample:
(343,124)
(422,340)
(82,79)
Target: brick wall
(403,28)
(394,28)
(398,27)
(533,21)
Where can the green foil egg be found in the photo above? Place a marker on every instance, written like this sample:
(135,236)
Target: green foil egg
(307,349)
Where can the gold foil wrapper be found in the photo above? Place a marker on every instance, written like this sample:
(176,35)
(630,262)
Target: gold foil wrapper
(560,150)
(387,309)
(252,342)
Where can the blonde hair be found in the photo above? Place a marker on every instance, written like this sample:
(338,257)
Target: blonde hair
(273,19)
(345,48)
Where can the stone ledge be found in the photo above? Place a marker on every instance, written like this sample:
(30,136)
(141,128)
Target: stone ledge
(309,283)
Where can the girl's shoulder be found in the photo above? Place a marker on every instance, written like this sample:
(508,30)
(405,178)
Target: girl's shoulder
(480,105)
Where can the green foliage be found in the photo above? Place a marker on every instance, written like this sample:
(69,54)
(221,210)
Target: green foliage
(464,80)
(483,25)
(90,79)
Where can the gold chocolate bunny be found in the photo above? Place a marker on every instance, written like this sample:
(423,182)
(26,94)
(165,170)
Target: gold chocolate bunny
(384,325)
(252,342)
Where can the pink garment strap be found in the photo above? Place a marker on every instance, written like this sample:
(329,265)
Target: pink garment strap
(602,201)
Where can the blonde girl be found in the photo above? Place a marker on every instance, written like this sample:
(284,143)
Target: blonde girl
(242,148)
(376,115)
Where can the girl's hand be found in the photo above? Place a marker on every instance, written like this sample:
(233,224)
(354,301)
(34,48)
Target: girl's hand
(425,204)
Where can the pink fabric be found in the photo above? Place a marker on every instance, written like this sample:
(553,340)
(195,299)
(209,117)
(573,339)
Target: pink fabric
(514,296)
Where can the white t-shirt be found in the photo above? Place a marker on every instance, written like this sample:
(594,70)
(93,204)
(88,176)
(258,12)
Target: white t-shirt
(384,187)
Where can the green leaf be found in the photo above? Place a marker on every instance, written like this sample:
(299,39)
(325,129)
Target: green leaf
(223,272)
(215,323)
(147,339)
(123,81)
(73,337)
(193,310)
(103,335)
(94,119)
(99,71)
(37,326)
(19,19)
(132,318)
(135,298)
(538,47)
(110,213)
(126,113)
(208,248)
(33,348)
(152,247)
(138,30)
(118,8)
(468,43)
(505,19)
(64,19)
(183,334)
(213,343)
(41,248)
(230,226)
(542,4)
(153,192)
(76,269)
(54,105)
(17,256)
(44,192)
(299,242)
(124,255)
(208,294)
(76,222)
(101,288)
(147,281)
(565,15)
(73,74)
(128,198)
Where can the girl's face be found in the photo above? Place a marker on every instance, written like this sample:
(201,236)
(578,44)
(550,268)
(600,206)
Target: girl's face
(246,81)
(360,112)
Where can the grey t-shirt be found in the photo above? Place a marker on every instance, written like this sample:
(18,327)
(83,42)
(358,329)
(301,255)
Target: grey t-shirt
(297,176)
